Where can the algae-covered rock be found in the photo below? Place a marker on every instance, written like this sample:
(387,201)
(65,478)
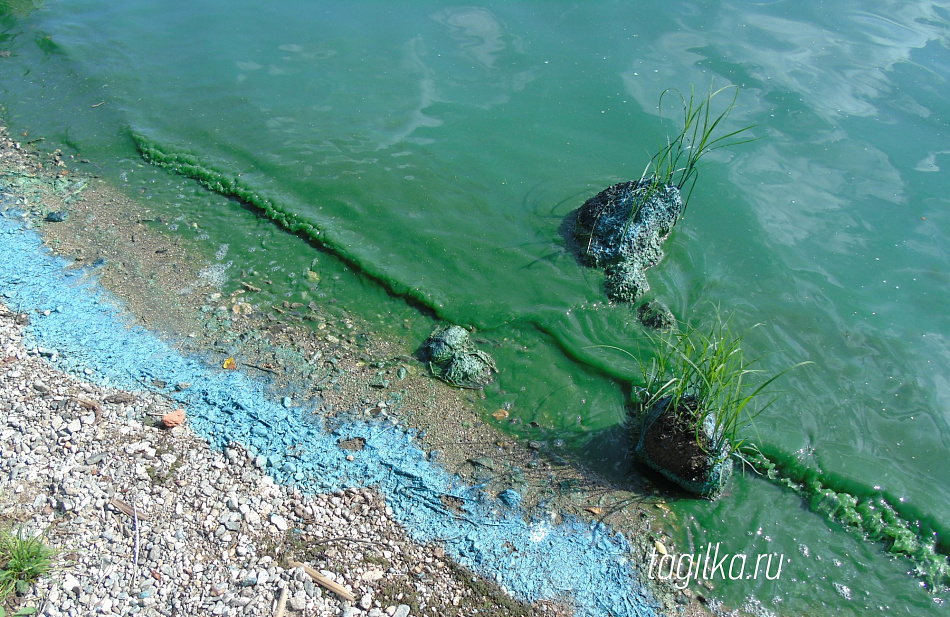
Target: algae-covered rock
(671,443)
(452,359)
(620,230)
(655,315)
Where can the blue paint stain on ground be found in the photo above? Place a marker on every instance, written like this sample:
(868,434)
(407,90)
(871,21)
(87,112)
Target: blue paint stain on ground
(86,330)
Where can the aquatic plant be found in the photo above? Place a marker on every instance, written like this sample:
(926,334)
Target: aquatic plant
(676,163)
(703,379)
(696,392)
(621,228)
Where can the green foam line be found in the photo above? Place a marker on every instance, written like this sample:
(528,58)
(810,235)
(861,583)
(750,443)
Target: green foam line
(870,513)
(189,166)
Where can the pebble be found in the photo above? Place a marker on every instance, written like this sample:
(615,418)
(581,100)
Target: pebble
(279,522)
(298,602)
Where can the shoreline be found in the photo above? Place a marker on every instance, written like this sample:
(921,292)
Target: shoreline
(210,532)
(354,404)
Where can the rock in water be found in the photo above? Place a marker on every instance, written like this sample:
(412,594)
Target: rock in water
(656,315)
(620,230)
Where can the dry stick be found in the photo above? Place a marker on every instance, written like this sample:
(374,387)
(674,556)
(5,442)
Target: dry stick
(324,581)
(135,519)
(260,368)
(126,508)
(281,603)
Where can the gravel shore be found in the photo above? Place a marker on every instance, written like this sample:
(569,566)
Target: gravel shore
(150,521)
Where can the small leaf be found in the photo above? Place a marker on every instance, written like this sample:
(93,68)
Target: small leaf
(229,364)
(660,548)
(26,610)
(595,510)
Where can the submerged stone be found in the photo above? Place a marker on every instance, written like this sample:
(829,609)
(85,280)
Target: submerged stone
(620,230)
(655,315)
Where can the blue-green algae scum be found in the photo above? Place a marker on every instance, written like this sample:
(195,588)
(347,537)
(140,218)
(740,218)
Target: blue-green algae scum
(437,149)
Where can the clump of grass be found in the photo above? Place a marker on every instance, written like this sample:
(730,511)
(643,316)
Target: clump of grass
(704,378)
(676,163)
(23,560)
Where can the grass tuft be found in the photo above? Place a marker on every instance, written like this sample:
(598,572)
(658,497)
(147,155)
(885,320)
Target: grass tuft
(676,163)
(23,560)
(704,374)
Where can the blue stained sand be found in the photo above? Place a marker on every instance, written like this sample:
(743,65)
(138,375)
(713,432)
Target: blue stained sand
(587,562)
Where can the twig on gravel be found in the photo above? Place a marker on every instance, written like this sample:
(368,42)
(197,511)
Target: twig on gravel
(135,520)
(260,368)
(126,508)
(86,403)
(150,388)
(324,581)
(281,603)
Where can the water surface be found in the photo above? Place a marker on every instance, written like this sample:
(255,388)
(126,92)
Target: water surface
(438,148)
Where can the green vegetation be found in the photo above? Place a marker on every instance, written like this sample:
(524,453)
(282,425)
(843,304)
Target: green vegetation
(703,377)
(676,163)
(23,560)
(21,612)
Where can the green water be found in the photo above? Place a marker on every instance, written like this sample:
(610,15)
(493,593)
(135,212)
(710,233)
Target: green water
(437,149)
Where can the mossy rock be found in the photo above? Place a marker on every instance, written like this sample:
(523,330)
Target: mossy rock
(452,358)
(621,229)
(655,315)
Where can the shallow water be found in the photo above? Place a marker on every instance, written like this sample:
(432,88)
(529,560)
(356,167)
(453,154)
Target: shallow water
(437,149)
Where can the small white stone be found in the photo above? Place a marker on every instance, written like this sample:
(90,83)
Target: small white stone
(71,584)
(298,601)
(366,602)
(279,522)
